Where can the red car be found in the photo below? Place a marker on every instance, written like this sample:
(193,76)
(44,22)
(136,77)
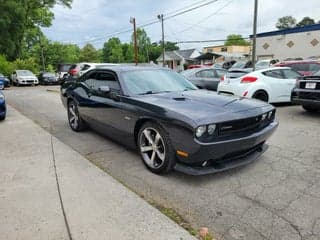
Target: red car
(305,67)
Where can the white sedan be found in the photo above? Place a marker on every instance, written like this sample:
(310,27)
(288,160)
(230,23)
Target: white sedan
(271,85)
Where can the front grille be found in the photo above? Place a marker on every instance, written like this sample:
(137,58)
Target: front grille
(244,125)
(30,81)
(303,85)
(310,95)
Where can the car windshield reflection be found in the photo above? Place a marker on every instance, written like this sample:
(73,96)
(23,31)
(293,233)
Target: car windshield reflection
(155,81)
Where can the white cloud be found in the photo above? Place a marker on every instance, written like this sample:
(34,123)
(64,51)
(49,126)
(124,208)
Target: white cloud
(87,21)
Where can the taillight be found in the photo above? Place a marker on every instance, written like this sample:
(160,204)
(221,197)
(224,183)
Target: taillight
(248,79)
(222,78)
(73,71)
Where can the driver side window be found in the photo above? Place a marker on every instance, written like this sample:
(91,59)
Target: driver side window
(106,79)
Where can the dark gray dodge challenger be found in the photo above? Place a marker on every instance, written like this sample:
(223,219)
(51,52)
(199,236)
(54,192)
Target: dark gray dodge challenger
(173,124)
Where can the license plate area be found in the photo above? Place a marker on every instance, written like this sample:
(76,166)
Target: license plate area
(310,85)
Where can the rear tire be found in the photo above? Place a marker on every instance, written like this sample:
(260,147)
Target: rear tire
(155,148)
(75,121)
(310,108)
(261,95)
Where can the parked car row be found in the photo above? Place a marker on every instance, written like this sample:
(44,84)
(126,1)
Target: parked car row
(273,85)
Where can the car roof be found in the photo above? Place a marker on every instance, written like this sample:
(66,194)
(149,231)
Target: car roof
(298,62)
(272,68)
(125,68)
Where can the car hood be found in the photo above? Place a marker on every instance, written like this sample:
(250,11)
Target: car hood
(203,107)
(27,77)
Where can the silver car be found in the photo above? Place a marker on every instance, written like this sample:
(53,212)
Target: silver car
(207,78)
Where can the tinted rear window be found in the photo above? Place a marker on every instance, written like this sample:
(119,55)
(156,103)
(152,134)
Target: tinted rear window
(64,67)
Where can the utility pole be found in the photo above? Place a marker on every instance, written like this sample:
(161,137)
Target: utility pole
(254,36)
(160,17)
(133,21)
(42,55)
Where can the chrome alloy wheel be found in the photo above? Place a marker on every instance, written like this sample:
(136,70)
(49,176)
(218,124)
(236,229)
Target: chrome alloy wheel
(152,148)
(73,115)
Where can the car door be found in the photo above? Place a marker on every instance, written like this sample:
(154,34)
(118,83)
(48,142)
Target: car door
(108,111)
(290,80)
(82,95)
(276,83)
(207,79)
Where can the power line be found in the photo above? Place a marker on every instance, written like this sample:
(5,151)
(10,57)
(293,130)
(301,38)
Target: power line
(173,14)
(207,17)
(189,10)
(211,40)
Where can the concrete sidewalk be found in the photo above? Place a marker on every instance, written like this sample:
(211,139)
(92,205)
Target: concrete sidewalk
(49,191)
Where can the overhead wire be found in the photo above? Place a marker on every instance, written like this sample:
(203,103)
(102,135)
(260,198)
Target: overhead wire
(169,15)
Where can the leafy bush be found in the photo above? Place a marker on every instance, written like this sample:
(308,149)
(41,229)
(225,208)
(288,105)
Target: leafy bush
(6,67)
(28,64)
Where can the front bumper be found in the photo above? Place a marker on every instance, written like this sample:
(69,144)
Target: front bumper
(224,155)
(28,82)
(314,100)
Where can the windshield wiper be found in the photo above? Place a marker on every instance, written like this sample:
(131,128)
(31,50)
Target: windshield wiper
(152,92)
(188,88)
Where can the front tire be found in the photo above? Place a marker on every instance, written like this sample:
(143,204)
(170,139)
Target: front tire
(155,148)
(310,108)
(75,121)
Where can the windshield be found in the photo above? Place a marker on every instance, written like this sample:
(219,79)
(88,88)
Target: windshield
(49,75)
(262,63)
(239,65)
(24,73)
(188,72)
(154,81)
(64,67)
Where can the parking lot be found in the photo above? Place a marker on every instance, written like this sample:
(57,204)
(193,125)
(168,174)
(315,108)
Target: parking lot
(277,197)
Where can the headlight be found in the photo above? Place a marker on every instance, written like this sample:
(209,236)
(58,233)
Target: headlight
(211,128)
(201,130)
(270,114)
(1,96)
(264,116)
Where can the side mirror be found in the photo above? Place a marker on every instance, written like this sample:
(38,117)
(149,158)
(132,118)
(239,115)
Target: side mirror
(104,89)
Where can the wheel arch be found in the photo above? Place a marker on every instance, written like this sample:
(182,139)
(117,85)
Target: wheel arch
(261,90)
(140,123)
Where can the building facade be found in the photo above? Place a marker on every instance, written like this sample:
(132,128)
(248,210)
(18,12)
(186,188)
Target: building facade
(227,49)
(178,58)
(291,43)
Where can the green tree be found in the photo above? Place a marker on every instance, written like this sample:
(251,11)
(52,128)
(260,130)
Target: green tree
(128,52)
(88,54)
(286,22)
(143,43)
(29,63)
(6,67)
(112,51)
(155,51)
(305,22)
(20,23)
(169,46)
(236,39)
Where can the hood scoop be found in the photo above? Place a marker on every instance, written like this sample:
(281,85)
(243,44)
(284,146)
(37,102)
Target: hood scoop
(179,98)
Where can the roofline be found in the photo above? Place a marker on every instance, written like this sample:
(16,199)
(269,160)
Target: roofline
(309,28)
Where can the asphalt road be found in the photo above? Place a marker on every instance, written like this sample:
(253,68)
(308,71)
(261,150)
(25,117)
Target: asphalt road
(276,198)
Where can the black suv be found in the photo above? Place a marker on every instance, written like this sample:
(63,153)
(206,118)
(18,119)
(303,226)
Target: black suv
(307,92)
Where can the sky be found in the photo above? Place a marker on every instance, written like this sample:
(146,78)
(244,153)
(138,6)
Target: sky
(95,21)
